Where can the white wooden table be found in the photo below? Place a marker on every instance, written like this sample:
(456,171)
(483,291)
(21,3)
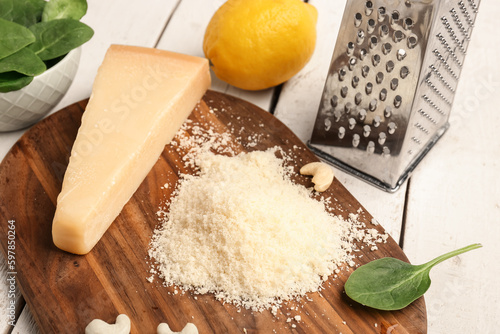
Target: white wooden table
(451,200)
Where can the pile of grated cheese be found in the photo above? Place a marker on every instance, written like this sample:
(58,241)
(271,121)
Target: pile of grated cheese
(241,229)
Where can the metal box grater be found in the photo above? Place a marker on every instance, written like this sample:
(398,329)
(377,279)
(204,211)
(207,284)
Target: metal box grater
(391,84)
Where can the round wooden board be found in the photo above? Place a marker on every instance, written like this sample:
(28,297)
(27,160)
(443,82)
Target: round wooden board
(65,292)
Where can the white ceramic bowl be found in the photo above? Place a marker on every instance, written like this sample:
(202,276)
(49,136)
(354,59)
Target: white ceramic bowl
(22,108)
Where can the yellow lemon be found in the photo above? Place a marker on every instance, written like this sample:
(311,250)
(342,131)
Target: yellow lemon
(257,44)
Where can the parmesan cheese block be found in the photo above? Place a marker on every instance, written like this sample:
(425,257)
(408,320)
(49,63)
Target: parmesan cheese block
(140,98)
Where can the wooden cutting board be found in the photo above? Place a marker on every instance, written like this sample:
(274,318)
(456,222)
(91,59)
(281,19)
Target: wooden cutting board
(65,292)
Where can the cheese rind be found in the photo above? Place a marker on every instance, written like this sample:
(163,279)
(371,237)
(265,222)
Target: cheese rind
(140,98)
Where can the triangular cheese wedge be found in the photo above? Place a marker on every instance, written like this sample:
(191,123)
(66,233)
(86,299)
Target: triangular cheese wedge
(140,98)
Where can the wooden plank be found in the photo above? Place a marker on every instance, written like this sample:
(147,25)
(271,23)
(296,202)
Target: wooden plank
(11,302)
(298,105)
(192,23)
(26,323)
(65,291)
(455,196)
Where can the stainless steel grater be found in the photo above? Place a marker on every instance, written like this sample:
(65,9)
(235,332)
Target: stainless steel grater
(391,84)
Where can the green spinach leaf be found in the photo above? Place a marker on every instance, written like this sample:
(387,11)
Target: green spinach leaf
(391,284)
(64,9)
(10,81)
(13,37)
(23,61)
(6,9)
(24,12)
(57,37)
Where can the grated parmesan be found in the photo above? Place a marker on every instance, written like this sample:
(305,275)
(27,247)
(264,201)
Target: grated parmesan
(242,230)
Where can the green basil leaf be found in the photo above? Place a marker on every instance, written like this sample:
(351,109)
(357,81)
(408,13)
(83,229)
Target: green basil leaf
(23,61)
(64,9)
(11,81)
(24,12)
(390,284)
(57,37)
(13,37)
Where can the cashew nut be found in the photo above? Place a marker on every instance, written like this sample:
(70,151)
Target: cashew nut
(190,328)
(97,326)
(122,326)
(322,175)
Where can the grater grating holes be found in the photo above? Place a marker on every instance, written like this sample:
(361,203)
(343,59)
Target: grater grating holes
(366,130)
(389,66)
(437,92)
(397,101)
(368,8)
(400,77)
(408,23)
(371,26)
(394,17)
(363,83)
(383,31)
(342,73)
(421,128)
(391,128)
(401,54)
(348,107)
(381,14)
(449,49)
(473,5)
(386,48)
(452,34)
(398,36)
(459,24)
(343,91)
(328,124)
(433,105)
(427,116)
(354,82)
(362,54)
(440,77)
(416,140)
(370,148)
(360,37)
(383,94)
(403,73)
(341,132)
(368,88)
(445,64)
(355,140)
(358,18)
(412,41)
(334,101)
(362,114)
(381,138)
(465,13)
(352,62)
(350,48)
(365,70)
(394,83)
